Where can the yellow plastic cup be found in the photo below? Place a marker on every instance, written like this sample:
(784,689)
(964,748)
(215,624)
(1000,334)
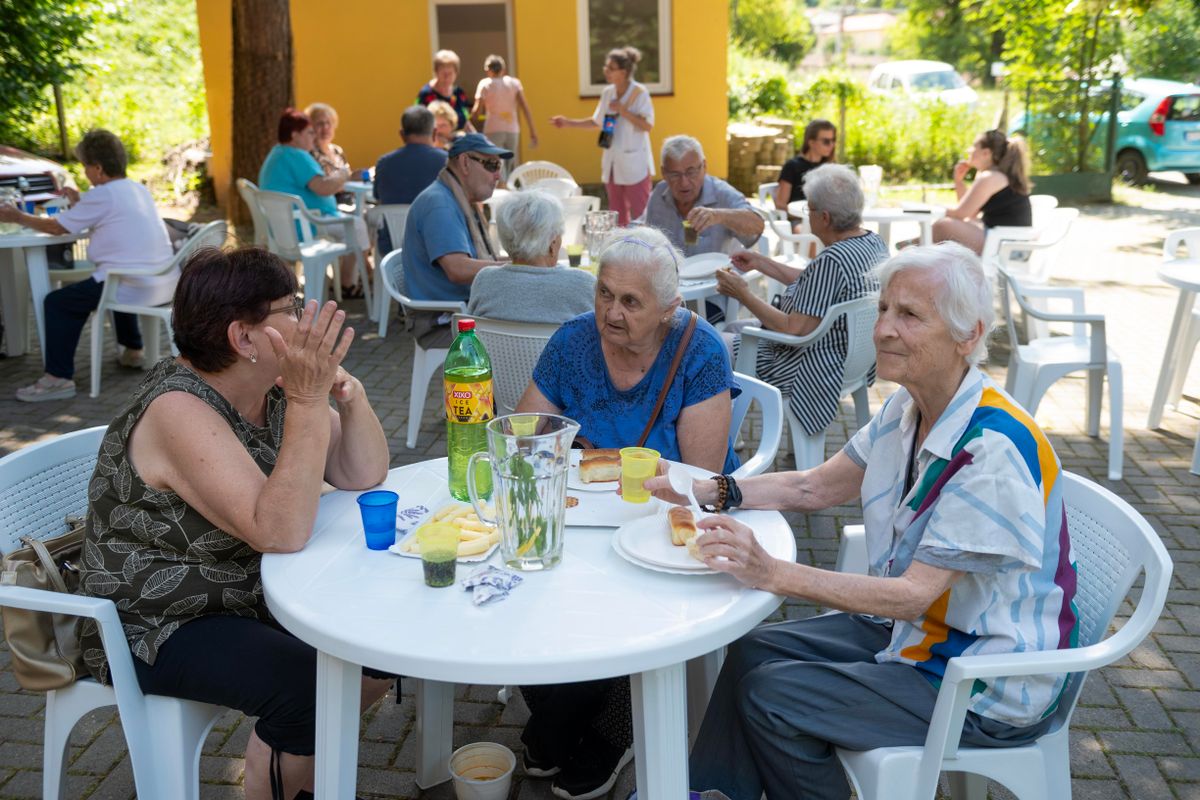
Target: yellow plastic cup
(439,552)
(637,464)
(523,424)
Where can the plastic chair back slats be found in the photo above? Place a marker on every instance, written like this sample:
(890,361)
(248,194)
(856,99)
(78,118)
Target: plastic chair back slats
(43,483)
(279,210)
(860,343)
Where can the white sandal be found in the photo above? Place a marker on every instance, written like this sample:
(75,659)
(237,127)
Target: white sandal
(47,387)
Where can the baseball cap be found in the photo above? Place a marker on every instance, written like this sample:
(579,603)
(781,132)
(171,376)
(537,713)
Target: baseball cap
(477,143)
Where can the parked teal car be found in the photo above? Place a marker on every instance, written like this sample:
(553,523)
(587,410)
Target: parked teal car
(1158,128)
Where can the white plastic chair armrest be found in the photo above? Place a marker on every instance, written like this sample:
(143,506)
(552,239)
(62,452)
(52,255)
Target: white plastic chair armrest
(434,305)
(76,605)
(1010,246)
(1005,233)
(1072,293)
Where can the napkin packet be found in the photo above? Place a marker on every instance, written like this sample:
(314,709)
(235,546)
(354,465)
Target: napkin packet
(407,519)
(491,583)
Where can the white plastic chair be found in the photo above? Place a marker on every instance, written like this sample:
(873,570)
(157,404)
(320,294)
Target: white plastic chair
(395,217)
(770,404)
(561,188)
(1035,367)
(1190,239)
(1112,544)
(514,348)
(793,248)
(151,318)
(531,172)
(575,211)
(249,194)
(1030,254)
(860,317)
(1039,204)
(42,484)
(426,363)
(285,213)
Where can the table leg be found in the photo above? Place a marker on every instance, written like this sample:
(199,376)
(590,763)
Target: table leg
(435,732)
(39,287)
(14,288)
(339,694)
(660,732)
(927,232)
(1166,375)
(885,233)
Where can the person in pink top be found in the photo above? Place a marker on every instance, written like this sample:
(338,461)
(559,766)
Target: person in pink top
(499,95)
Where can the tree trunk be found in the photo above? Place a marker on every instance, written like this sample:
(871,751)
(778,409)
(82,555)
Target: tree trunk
(262,85)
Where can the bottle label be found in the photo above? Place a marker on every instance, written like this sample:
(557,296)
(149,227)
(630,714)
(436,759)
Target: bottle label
(469,402)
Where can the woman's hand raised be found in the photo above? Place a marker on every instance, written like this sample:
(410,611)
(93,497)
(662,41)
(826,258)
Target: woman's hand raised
(310,358)
(960,170)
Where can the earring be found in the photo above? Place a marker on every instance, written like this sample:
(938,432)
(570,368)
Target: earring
(253,357)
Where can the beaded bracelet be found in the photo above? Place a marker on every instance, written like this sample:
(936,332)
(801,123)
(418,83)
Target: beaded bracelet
(722,495)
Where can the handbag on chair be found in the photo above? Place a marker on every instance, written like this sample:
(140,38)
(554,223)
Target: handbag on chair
(44,648)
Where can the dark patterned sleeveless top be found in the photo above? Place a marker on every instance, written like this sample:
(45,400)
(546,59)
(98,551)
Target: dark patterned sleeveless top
(1007,207)
(156,557)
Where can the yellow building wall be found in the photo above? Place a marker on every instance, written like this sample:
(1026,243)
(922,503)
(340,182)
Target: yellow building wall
(367,59)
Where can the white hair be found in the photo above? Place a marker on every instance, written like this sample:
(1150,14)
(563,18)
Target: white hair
(834,189)
(528,222)
(652,253)
(965,296)
(676,147)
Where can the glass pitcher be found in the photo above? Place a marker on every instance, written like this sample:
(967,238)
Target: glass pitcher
(529,455)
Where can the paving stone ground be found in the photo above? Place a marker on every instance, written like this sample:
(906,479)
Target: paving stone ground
(1136,733)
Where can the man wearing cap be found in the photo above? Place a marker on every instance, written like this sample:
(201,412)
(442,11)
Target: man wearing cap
(446,240)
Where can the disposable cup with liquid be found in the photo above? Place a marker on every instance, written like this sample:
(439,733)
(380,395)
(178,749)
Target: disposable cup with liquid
(438,542)
(637,464)
(378,509)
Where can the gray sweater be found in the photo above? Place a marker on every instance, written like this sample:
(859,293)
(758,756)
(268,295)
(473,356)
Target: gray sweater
(532,294)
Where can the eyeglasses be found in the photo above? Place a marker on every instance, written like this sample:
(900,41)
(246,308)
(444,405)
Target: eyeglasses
(490,164)
(827,139)
(296,308)
(691,173)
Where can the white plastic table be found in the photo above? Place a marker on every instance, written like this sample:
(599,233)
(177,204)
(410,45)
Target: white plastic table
(885,218)
(1184,274)
(593,616)
(362,193)
(16,283)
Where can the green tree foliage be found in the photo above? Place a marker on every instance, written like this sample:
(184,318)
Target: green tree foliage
(41,44)
(947,30)
(775,28)
(1162,42)
(141,78)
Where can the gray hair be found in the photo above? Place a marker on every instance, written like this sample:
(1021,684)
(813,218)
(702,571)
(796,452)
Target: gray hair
(527,223)
(652,253)
(965,296)
(834,189)
(676,147)
(416,121)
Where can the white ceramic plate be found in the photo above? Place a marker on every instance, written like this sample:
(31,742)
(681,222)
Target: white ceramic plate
(576,483)
(616,546)
(702,266)
(648,540)
(404,537)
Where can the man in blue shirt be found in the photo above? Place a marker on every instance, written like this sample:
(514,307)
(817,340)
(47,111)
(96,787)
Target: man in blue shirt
(403,174)
(446,240)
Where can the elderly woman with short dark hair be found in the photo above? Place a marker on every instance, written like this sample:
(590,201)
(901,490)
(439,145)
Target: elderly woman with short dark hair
(217,458)
(811,377)
(124,232)
(968,550)
(533,288)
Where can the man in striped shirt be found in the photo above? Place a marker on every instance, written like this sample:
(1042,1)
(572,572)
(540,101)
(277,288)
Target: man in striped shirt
(969,554)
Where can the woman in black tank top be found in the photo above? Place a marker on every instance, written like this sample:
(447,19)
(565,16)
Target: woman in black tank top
(999,195)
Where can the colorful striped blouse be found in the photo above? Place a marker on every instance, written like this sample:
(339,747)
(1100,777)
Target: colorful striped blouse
(986,499)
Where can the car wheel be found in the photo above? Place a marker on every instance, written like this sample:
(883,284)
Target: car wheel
(1132,167)
(1192,177)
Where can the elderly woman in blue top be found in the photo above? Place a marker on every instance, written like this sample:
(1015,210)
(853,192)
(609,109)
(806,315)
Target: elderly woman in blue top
(969,554)
(605,368)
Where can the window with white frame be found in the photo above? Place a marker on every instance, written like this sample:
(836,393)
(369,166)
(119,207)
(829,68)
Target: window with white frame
(605,24)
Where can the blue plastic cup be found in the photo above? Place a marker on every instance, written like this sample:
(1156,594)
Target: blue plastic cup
(379,518)
(28,206)
(366,176)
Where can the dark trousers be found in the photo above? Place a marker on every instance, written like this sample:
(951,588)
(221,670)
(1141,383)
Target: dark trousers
(67,310)
(562,714)
(791,692)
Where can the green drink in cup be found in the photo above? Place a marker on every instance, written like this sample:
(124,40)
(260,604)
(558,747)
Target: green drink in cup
(439,552)
(575,254)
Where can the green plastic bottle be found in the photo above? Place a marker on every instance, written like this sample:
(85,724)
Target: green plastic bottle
(469,406)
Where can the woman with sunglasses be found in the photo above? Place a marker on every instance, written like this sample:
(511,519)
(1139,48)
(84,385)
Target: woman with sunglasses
(820,146)
(999,195)
(217,458)
(625,117)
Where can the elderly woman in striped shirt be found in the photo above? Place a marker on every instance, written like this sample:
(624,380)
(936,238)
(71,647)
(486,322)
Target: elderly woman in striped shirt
(968,547)
(811,377)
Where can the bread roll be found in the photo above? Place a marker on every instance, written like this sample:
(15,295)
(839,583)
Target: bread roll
(600,465)
(694,549)
(683,525)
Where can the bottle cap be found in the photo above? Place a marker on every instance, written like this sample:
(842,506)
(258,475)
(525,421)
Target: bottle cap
(466,325)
